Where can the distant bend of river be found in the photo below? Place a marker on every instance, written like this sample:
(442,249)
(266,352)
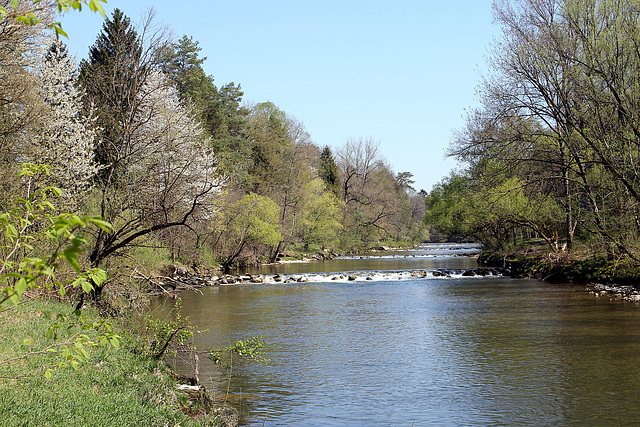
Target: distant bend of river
(407,351)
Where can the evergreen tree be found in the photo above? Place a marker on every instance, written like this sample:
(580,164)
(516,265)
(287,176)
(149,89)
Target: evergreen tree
(219,110)
(112,77)
(328,170)
(182,66)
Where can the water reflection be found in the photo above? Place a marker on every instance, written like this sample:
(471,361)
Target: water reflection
(491,351)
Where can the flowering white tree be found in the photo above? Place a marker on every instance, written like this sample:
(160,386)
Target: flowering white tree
(67,140)
(170,159)
(167,175)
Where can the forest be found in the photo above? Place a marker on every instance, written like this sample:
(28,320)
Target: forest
(551,155)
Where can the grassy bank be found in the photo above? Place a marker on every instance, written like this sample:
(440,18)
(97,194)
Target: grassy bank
(113,387)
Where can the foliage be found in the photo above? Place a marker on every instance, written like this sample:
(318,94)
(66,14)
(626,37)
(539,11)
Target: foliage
(66,140)
(376,204)
(328,170)
(166,335)
(320,215)
(159,174)
(219,109)
(114,386)
(251,349)
(27,13)
(252,219)
(32,226)
(449,207)
(35,243)
(112,78)
(560,114)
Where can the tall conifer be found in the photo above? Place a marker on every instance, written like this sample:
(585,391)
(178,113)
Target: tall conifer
(328,170)
(112,77)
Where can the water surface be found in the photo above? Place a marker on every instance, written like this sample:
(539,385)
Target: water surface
(425,351)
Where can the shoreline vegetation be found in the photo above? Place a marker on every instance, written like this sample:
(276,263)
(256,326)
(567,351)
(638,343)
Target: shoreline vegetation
(112,386)
(601,275)
(145,388)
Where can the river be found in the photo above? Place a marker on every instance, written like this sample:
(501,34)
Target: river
(393,348)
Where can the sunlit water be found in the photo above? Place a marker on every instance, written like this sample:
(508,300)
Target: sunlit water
(446,351)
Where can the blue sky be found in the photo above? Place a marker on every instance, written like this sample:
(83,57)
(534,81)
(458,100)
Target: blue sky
(402,73)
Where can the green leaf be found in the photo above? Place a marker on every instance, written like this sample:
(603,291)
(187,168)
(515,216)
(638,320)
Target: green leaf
(48,374)
(106,226)
(71,255)
(15,299)
(12,231)
(15,4)
(97,7)
(59,31)
(20,286)
(115,341)
(98,276)
(86,286)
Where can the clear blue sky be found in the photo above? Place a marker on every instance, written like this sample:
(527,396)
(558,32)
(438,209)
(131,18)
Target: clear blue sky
(401,72)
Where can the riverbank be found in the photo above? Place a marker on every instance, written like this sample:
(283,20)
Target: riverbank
(112,386)
(619,277)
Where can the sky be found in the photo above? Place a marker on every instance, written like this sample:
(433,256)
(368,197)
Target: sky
(402,73)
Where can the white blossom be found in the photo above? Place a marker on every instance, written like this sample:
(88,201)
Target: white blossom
(169,157)
(67,140)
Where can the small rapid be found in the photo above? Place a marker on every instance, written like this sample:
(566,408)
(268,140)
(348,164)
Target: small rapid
(378,276)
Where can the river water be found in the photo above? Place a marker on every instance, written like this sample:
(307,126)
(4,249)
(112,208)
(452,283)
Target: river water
(400,349)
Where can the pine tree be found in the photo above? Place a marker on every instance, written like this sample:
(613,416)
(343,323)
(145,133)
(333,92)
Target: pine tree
(182,66)
(219,110)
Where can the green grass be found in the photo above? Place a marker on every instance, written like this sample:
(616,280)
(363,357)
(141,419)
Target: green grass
(115,387)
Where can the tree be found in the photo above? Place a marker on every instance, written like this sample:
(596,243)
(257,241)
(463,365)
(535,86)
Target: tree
(21,106)
(66,140)
(159,171)
(357,159)
(180,63)
(24,13)
(449,208)
(283,163)
(112,78)
(328,170)
(170,177)
(560,113)
(405,181)
(251,220)
(219,110)
(376,205)
(320,214)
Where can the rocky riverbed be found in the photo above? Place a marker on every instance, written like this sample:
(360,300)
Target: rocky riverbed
(175,279)
(627,293)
